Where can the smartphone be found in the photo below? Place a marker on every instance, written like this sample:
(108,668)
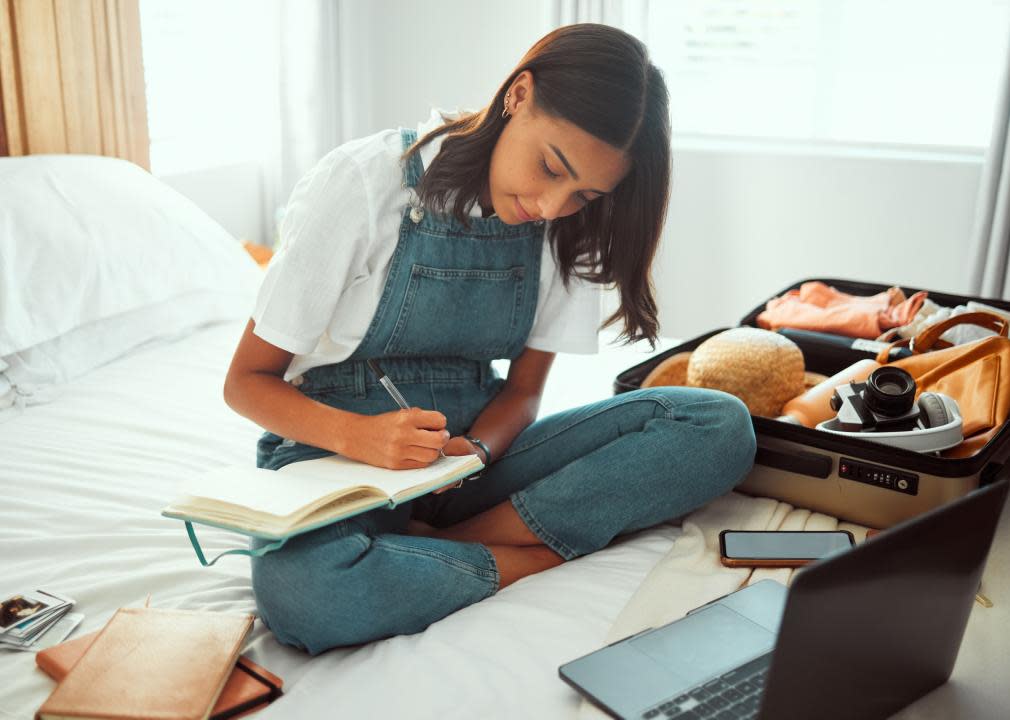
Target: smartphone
(780,548)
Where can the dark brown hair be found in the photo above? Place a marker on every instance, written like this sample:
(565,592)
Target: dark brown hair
(600,79)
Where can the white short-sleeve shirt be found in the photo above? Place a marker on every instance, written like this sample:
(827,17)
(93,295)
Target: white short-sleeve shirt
(338,235)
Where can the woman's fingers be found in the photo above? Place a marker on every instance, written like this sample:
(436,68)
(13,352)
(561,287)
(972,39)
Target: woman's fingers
(427,419)
(435,439)
(425,455)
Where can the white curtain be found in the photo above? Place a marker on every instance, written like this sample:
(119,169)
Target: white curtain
(311,95)
(990,242)
(244,96)
(629,15)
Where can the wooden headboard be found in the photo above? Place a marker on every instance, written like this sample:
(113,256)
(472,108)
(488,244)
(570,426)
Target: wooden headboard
(72,79)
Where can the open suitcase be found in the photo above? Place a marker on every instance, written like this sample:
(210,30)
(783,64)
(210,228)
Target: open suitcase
(850,478)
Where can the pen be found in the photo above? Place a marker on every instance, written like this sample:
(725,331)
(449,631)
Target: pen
(391,389)
(388,384)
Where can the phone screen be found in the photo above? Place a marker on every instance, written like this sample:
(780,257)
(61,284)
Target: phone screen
(774,545)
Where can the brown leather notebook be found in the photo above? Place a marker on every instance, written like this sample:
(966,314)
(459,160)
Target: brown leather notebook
(151,663)
(249,687)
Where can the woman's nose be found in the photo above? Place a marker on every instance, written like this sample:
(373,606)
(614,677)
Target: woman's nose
(552,204)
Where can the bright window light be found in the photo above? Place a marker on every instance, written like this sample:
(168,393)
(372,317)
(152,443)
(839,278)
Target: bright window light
(211,75)
(887,72)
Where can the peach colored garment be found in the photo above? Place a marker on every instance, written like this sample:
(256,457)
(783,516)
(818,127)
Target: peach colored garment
(820,307)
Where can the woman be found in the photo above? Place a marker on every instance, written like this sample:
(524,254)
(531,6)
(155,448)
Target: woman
(485,239)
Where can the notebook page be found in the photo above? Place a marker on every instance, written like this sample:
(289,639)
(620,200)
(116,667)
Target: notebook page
(284,491)
(389,481)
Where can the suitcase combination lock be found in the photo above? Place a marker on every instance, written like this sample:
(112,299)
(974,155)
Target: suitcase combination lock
(887,478)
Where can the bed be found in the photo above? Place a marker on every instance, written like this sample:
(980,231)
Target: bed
(117,325)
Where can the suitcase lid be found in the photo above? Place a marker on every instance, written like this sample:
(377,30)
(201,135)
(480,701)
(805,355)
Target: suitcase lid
(856,287)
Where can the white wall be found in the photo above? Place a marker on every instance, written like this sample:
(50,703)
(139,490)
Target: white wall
(232,194)
(436,53)
(744,224)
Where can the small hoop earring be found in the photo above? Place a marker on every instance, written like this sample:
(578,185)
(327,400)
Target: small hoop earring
(505,112)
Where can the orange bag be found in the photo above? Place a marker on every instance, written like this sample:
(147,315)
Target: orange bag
(975,374)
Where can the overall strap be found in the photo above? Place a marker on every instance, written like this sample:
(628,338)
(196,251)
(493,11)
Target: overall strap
(259,552)
(414,170)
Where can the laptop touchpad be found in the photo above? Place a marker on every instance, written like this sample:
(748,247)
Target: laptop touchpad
(707,642)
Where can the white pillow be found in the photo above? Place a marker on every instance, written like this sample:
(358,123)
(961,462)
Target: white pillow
(86,238)
(98,257)
(34,376)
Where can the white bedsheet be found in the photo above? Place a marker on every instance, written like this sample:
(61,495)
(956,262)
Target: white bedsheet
(82,483)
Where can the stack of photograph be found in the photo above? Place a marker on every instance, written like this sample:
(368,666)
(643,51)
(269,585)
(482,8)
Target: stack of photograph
(28,617)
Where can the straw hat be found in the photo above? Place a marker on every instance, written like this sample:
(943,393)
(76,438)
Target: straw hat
(672,371)
(762,368)
(722,358)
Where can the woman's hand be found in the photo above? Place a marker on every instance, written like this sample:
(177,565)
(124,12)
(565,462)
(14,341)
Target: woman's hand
(459,445)
(398,440)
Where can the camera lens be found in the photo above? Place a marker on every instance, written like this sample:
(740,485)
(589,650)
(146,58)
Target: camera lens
(890,391)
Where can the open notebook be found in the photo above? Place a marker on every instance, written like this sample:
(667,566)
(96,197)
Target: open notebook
(303,496)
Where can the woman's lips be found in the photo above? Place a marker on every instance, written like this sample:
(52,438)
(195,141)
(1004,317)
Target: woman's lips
(522,213)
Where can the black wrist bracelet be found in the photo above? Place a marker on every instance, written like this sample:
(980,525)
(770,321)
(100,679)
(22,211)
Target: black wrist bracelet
(480,443)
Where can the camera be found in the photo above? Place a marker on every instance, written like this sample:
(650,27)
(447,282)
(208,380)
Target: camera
(886,401)
(885,409)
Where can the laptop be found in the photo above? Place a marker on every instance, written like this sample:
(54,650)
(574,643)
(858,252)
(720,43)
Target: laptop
(859,634)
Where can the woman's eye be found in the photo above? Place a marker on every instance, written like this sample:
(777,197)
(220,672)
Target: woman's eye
(548,170)
(582,199)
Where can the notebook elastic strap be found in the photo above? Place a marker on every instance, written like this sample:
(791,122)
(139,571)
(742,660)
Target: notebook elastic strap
(258,552)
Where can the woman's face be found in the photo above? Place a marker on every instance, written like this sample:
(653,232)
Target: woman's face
(544,168)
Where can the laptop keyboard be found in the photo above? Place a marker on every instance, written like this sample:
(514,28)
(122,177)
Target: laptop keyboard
(733,696)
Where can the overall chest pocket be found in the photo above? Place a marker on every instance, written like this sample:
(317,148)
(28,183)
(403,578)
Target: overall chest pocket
(468,313)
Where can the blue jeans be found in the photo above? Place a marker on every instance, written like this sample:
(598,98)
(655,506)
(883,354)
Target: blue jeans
(578,479)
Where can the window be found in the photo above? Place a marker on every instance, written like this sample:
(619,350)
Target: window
(876,72)
(211,75)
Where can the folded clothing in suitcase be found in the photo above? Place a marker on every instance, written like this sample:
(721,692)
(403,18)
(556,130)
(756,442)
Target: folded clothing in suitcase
(853,478)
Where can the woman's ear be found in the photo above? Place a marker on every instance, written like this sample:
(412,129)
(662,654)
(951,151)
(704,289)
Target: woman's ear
(522,90)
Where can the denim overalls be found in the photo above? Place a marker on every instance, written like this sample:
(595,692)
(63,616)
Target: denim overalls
(455,299)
